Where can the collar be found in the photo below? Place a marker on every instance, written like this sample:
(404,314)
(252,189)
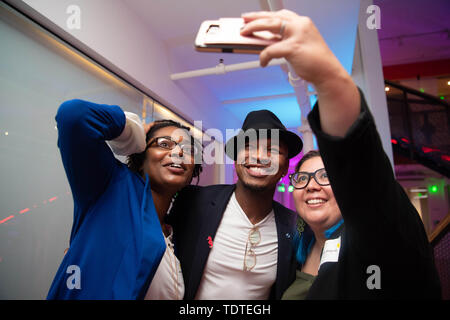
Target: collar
(306,242)
(331,231)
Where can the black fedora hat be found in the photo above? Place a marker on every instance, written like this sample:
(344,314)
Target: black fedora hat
(265,119)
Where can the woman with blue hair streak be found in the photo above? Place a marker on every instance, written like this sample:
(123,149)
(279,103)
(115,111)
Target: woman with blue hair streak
(367,256)
(314,200)
(363,239)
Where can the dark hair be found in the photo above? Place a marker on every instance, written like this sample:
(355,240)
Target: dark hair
(136,160)
(307,156)
(306,235)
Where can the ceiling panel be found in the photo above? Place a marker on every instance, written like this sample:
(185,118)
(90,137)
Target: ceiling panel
(414,30)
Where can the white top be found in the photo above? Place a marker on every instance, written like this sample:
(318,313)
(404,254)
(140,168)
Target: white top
(223,276)
(168,283)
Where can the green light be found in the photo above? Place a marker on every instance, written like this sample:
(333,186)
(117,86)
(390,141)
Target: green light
(422,90)
(434,189)
(281,188)
(442,97)
(291,188)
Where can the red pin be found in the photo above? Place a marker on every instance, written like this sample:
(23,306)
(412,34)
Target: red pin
(210,242)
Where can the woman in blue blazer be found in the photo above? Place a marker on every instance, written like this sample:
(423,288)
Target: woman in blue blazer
(118,237)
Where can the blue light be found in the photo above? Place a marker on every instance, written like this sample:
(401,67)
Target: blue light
(286,109)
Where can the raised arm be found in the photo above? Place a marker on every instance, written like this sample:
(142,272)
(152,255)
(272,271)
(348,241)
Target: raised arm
(83,128)
(371,201)
(132,138)
(381,224)
(305,49)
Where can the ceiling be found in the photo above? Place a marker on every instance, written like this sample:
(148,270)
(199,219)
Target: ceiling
(414,30)
(411,31)
(176,23)
(417,31)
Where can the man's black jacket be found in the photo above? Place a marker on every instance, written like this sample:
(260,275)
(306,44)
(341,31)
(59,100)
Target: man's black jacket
(196,215)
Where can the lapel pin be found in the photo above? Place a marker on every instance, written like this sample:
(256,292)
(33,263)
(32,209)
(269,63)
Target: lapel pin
(288,235)
(210,242)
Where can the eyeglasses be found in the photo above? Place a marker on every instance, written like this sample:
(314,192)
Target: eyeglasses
(254,237)
(300,180)
(169,144)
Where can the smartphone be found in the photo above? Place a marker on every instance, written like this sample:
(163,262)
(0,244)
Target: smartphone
(224,35)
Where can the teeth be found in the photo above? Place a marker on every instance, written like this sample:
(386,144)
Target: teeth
(175,165)
(315,201)
(258,170)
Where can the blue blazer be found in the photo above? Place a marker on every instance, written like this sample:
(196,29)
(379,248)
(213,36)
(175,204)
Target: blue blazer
(196,215)
(116,240)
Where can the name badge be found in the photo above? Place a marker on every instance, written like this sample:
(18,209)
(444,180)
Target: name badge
(330,251)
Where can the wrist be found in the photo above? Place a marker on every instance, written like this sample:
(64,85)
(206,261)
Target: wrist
(334,83)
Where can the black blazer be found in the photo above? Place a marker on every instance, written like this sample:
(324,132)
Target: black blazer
(196,215)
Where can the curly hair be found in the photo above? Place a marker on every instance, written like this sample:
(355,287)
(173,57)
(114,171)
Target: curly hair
(136,160)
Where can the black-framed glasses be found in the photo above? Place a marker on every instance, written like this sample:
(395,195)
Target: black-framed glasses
(169,144)
(300,180)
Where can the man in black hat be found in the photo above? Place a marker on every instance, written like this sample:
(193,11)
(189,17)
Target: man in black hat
(234,241)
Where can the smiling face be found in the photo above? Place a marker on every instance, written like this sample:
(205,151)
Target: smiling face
(316,204)
(260,165)
(168,170)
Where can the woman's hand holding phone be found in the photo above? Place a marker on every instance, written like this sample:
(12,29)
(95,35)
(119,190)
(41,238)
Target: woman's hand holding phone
(304,48)
(301,44)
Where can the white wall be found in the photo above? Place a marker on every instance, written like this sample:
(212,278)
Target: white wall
(436,205)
